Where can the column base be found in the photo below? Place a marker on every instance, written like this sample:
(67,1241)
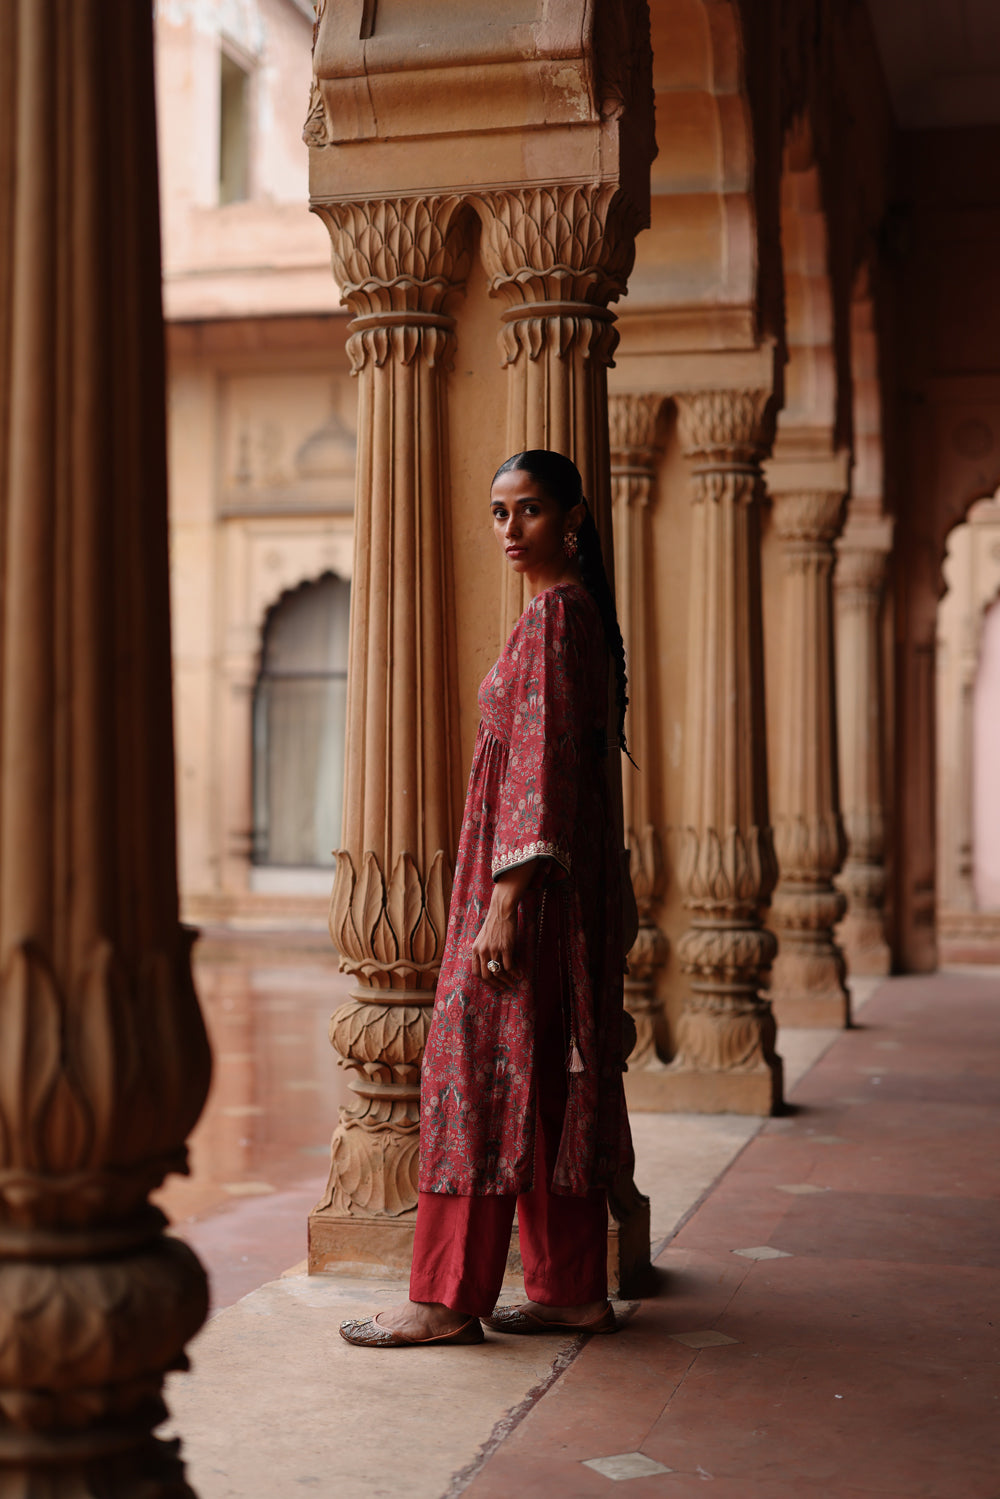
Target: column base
(379,1248)
(811,1011)
(382,1248)
(704,1091)
(864,947)
(808,989)
(630,1270)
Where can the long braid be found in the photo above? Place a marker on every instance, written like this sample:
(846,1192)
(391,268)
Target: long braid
(595,580)
(560,478)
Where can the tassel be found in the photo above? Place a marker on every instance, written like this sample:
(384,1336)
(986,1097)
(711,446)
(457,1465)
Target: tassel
(575,1063)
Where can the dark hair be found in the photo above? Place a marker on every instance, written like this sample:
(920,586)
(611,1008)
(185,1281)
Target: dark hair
(560,478)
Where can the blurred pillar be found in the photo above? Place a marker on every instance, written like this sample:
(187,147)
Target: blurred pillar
(104,1064)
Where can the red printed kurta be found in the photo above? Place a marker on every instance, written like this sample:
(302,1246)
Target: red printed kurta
(538,789)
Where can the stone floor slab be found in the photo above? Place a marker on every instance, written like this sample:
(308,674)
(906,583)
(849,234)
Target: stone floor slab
(625,1465)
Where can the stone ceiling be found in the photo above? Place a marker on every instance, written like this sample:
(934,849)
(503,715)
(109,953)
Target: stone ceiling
(942,60)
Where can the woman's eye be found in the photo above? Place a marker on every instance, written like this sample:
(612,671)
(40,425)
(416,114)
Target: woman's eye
(499,515)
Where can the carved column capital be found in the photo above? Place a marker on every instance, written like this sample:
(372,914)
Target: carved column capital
(725,426)
(813,517)
(565,242)
(398,261)
(632,425)
(860,574)
(557,255)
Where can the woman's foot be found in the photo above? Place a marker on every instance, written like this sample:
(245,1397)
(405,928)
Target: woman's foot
(413,1324)
(418,1320)
(533,1317)
(589,1312)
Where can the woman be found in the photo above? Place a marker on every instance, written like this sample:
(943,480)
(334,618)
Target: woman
(522,1101)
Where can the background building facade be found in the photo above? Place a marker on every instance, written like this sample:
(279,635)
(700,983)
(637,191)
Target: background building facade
(262,458)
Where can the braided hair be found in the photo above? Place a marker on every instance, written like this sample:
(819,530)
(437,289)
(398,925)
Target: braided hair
(560,478)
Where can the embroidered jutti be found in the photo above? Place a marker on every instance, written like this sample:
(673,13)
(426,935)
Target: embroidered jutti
(538,790)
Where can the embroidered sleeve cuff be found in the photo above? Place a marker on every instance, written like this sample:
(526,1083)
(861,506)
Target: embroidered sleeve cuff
(509,858)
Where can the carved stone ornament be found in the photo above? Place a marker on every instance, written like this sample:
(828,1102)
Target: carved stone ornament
(391,935)
(567,242)
(725,427)
(397,260)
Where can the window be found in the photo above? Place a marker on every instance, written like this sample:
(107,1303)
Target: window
(234,131)
(299,716)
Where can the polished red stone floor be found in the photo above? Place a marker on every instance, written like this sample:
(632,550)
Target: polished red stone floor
(862,1349)
(260,1151)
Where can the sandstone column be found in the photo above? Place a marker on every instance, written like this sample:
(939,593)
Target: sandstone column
(725,1044)
(808,979)
(859,581)
(103,1063)
(633,424)
(397,262)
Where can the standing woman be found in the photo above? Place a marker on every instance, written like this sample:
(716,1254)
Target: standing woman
(522,1103)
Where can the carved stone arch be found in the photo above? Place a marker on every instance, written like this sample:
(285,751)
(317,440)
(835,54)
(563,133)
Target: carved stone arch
(703,248)
(962,442)
(291,590)
(297,725)
(972,588)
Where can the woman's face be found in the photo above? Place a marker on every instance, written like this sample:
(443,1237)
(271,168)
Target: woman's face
(530,526)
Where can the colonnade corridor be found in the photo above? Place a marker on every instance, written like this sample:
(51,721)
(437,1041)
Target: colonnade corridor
(824,1322)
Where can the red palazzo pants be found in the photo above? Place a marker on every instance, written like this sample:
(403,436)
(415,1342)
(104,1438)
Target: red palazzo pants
(460,1244)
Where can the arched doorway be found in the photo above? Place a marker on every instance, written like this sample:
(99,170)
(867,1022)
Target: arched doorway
(968,740)
(985,763)
(299,714)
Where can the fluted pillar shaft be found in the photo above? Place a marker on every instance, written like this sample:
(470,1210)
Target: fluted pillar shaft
(397,262)
(859,581)
(808,979)
(725,1058)
(104,1062)
(633,434)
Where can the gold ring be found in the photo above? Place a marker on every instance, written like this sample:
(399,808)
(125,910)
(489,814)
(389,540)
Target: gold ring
(493,966)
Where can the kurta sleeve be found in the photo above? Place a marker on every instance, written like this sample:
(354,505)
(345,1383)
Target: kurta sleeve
(551,695)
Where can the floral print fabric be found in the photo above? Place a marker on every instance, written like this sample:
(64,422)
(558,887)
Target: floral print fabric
(538,790)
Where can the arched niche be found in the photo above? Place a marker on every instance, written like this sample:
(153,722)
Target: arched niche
(955,462)
(298,729)
(968,738)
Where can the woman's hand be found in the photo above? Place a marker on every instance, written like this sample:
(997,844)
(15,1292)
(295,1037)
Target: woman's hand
(495,943)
